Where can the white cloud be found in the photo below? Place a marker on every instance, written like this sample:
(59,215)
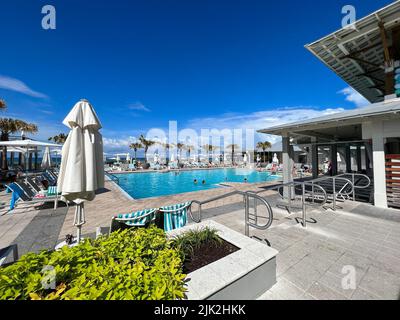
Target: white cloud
(354,97)
(261,119)
(114,145)
(16,85)
(138,106)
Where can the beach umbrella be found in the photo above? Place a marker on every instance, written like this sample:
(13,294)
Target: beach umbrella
(172,158)
(118,158)
(82,168)
(128,157)
(46,161)
(155,158)
(245,158)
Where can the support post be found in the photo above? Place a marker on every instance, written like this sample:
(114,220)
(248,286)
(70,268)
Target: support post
(348,158)
(334,159)
(314,158)
(378,151)
(287,160)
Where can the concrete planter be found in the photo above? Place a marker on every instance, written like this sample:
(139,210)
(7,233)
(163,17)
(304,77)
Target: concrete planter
(243,275)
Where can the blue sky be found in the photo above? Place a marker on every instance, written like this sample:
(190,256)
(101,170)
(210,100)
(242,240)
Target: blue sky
(208,63)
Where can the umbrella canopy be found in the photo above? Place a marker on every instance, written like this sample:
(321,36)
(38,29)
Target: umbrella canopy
(128,157)
(82,169)
(27,143)
(172,158)
(46,161)
(118,158)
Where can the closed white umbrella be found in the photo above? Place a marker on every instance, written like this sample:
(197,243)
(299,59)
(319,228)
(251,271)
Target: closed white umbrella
(172,158)
(118,158)
(82,170)
(128,157)
(46,161)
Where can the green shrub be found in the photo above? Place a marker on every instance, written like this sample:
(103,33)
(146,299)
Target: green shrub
(135,264)
(191,240)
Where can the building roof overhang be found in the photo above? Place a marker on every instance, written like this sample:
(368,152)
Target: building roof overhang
(359,53)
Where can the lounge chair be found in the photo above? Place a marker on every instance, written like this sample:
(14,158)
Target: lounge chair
(173,217)
(22,193)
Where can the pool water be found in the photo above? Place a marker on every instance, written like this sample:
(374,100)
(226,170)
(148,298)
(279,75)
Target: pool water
(155,184)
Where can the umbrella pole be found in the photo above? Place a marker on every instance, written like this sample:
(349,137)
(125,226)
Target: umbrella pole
(79,220)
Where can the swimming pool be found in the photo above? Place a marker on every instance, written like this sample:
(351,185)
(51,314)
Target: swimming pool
(155,184)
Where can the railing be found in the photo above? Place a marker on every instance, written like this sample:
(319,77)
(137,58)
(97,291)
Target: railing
(309,193)
(355,183)
(342,193)
(251,220)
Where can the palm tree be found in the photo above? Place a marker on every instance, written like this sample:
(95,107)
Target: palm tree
(210,148)
(9,126)
(146,145)
(180,146)
(232,147)
(167,146)
(264,146)
(60,138)
(135,146)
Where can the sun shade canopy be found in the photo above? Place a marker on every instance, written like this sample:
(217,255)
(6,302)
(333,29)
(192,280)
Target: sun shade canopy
(357,53)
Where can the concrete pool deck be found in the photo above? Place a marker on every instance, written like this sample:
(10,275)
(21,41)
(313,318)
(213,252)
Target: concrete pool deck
(310,261)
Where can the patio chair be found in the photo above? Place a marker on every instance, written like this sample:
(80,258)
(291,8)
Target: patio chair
(140,218)
(172,217)
(49,178)
(34,184)
(21,193)
(175,217)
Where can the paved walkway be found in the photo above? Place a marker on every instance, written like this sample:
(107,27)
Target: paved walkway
(313,261)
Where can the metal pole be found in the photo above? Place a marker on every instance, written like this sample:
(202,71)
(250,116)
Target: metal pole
(354,187)
(334,193)
(246,213)
(312,192)
(304,205)
(255,211)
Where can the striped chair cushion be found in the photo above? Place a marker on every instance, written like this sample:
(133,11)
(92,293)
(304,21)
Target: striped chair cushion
(138,218)
(52,191)
(175,216)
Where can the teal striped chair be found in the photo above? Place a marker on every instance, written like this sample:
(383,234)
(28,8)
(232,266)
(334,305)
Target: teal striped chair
(175,217)
(137,219)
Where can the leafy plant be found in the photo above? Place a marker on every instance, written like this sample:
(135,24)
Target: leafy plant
(134,264)
(192,240)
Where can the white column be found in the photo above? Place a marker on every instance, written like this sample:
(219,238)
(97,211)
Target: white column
(378,155)
(287,161)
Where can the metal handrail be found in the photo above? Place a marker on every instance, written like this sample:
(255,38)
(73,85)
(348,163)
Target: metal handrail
(342,193)
(353,175)
(304,195)
(246,198)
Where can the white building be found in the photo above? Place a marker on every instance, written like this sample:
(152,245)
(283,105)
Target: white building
(364,140)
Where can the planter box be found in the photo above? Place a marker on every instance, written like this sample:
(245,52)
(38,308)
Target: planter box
(242,275)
